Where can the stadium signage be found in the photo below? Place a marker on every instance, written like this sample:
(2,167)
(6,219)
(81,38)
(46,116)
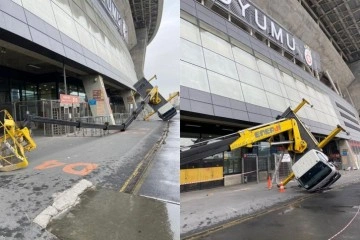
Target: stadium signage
(266,25)
(115,14)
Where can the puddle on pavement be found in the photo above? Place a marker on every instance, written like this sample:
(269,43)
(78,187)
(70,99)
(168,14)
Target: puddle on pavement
(105,214)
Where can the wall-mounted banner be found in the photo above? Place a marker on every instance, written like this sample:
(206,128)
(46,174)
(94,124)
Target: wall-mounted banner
(270,29)
(69,99)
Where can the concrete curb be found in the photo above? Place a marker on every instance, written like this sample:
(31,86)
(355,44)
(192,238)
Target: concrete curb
(62,202)
(131,185)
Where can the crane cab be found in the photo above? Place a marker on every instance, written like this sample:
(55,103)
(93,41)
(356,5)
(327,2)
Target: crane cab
(314,172)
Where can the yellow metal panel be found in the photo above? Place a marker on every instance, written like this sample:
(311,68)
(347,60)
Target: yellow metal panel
(198,175)
(248,137)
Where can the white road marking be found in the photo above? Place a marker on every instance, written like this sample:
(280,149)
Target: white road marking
(358,207)
(161,199)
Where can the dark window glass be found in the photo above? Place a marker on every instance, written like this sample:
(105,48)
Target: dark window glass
(315,175)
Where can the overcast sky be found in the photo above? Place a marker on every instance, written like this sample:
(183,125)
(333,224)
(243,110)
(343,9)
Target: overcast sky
(162,54)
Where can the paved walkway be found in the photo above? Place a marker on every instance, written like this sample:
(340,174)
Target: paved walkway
(108,214)
(207,208)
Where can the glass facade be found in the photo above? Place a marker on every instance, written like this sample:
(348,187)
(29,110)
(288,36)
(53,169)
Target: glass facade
(213,64)
(83,23)
(232,162)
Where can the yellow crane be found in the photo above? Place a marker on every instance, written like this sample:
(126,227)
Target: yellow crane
(311,169)
(172,96)
(13,143)
(15,140)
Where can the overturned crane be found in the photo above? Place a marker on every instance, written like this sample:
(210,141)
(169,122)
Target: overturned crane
(311,169)
(15,140)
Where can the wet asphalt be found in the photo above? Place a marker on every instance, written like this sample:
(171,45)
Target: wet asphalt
(106,214)
(160,184)
(59,162)
(152,211)
(210,210)
(329,215)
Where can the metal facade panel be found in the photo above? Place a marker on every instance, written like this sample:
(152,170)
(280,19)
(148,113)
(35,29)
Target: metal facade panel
(13,9)
(2,20)
(185,105)
(39,38)
(56,46)
(222,111)
(89,54)
(239,37)
(257,118)
(188,6)
(201,107)
(74,55)
(35,21)
(220,101)
(235,104)
(240,115)
(184,92)
(199,96)
(275,113)
(16,26)
(215,19)
(258,110)
(69,42)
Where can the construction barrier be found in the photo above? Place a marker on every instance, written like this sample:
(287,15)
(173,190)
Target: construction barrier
(199,175)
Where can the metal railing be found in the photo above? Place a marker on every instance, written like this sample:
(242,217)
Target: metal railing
(283,166)
(55,110)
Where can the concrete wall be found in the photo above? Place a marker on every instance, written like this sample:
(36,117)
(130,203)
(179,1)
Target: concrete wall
(354,86)
(26,28)
(348,160)
(295,19)
(230,180)
(210,104)
(95,84)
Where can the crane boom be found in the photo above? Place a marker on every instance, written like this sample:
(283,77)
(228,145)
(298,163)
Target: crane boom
(303,146)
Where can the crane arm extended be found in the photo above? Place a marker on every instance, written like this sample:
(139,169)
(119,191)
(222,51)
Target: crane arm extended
(288,123)
(246,138)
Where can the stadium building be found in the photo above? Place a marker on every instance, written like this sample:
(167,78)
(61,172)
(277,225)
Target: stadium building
(244,62)
(88,52)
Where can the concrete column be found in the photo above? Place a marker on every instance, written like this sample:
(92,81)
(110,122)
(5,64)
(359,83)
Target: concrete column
(95,89)
(129,100)
(348,157)
(139,51)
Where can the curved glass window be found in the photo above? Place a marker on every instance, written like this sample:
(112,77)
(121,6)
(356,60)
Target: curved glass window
(225,86)
(254,95)
(191,53)
(193,77)
(245,58)
(220,64)
(189,31)
(249,76)
(216,44)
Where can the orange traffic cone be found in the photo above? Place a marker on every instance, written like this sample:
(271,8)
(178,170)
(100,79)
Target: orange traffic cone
(281,189)
(269,183)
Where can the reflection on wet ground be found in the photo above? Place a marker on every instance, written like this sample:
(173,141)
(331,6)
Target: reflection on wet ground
(106,214)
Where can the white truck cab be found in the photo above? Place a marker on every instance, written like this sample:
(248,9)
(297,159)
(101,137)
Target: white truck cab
(314,172)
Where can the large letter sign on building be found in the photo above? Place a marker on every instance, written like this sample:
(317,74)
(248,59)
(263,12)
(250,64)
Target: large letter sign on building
(115,14)
(270,29)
